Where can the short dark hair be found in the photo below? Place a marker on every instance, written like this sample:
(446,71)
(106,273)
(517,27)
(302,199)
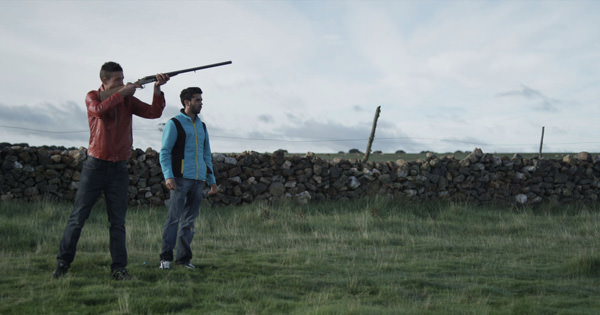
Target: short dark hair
(109,67)
(188,93)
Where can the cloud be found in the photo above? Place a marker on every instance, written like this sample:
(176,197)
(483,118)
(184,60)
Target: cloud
(49,123)
(358,108)
(543,102)
(265,118)
(331,136)
(312,135)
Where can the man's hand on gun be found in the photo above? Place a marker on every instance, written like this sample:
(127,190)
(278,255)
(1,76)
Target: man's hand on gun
(129,88)
(161,79)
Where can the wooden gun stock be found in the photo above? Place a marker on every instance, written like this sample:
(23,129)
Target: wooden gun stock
(152,78)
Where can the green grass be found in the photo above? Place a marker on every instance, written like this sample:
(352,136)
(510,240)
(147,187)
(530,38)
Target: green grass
(369,256)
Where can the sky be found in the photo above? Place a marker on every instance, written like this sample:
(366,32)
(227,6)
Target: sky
(308,76)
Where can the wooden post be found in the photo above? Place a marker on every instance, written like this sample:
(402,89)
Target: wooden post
(542,142)
(366,157)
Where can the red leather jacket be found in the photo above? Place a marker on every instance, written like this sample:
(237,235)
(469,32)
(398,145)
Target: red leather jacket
(110,123)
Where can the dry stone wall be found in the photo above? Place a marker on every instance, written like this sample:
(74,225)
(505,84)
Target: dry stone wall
(53,173)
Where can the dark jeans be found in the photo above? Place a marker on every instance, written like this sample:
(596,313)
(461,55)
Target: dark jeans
(184,206)
(98,176)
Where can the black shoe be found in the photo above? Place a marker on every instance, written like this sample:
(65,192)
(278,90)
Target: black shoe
(61,269)
(121,274)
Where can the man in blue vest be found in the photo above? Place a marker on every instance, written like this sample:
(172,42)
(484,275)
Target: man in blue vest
(186,162)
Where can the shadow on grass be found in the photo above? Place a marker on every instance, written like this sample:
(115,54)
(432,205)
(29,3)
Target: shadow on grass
(583,266)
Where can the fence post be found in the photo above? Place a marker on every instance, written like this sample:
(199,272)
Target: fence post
(541,142)
(368,152)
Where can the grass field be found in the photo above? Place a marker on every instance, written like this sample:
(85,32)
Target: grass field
(369,256)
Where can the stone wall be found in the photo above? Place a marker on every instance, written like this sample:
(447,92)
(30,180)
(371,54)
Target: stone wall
(53,173)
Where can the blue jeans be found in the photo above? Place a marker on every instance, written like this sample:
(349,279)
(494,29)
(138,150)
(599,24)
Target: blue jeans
(184,208)
(99,176)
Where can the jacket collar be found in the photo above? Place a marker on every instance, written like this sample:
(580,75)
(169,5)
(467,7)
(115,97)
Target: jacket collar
(182,113)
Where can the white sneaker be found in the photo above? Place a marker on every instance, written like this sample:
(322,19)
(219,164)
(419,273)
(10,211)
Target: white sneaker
(187,265)
(165,265)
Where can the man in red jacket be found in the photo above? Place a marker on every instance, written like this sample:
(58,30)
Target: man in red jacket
(105,169)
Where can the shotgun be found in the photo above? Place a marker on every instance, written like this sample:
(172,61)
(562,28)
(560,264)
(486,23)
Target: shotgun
(152,78)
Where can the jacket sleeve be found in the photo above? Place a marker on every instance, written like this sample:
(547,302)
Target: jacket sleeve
(210,176)
(168,141)
(144,110)
(99,108)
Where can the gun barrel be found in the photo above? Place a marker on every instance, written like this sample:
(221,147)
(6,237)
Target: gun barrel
(152,78)
(174,73)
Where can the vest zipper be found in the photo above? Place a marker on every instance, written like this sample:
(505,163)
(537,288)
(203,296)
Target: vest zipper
(196,139)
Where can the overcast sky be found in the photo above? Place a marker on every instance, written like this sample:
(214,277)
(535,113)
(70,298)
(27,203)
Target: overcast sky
(309,75)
